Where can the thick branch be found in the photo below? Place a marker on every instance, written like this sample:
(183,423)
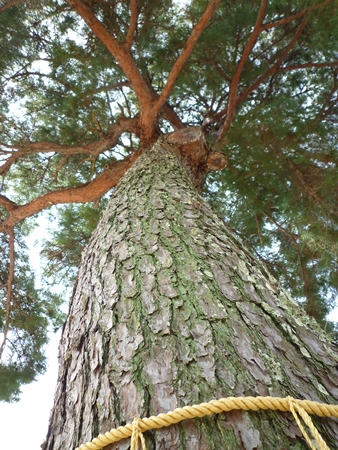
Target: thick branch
(172,117)
(88,192)
(124,124)
(133,22)
(186,52)
(120,52)
(235,80)
(275,68)
(8,204)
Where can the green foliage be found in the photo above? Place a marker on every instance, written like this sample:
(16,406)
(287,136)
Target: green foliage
(32,312)
(59,83)
(63,250)
(281,196)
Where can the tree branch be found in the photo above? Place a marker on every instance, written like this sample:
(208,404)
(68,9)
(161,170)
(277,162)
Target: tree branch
(8,204)
(235,80)
(7,165)
(294,16)
(275,67)
(133,23)
(10,4)
(263,77)
(186,52)
(9,289)
(14,125)
(123,124)
(307,65)
(293,238)
(120,52)
(88,192)
(308,188)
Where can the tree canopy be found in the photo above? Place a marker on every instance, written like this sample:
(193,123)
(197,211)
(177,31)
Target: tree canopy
(87,85)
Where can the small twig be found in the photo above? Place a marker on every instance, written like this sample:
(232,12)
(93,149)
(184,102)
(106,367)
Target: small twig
(312,193)
(270,71)
(259,229)
(15,126)
(59,167)
(307,65)
(294,16)
(7,165)
(293,238)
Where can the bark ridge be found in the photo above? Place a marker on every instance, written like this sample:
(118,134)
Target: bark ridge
(171,310)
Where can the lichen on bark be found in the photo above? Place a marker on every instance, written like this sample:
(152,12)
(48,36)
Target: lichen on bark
(170,310)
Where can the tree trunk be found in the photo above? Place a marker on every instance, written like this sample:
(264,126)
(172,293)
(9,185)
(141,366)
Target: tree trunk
(170,310)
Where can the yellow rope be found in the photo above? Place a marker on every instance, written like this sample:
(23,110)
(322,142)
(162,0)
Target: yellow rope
(137,435)
(139,426)
(307,419)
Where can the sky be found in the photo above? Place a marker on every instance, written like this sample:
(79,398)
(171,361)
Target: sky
(24,424)
(26,421)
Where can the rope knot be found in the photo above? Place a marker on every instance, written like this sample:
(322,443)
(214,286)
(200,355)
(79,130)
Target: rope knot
(296,409)
(137,435)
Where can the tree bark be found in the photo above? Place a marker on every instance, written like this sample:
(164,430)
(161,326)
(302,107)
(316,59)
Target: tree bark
(170,309)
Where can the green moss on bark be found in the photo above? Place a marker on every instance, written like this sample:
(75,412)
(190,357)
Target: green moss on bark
(171,310)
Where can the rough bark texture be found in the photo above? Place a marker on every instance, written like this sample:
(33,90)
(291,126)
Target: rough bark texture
(170,310)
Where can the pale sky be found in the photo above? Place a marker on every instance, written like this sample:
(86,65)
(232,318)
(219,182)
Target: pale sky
(24,424)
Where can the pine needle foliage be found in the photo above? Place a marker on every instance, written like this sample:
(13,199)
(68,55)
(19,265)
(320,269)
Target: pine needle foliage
(71,109)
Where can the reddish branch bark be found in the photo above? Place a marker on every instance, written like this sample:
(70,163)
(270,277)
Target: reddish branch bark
(150,103)
(234,100)
(275,68)
(7,165)
(10,4)
(8,204)
(133,22)
(123,125)
(181,60)
(143,90)
(86,193)
(235,80)
(9,290)
(307,66)
(119,51)
(295,16)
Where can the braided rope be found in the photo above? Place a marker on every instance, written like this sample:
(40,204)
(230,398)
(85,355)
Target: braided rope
(137,435)
(295,408)
(139,426)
